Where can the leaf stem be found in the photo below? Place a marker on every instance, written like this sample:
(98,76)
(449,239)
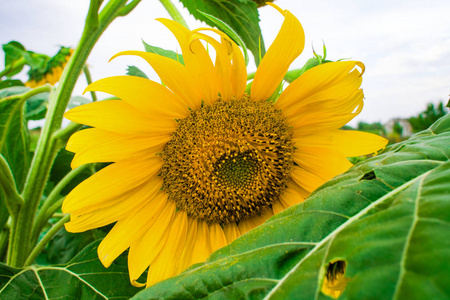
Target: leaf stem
(45,213)
(64,134)
(87,74)
(46,88)
(47,237)
(173,12)
(13,200)
(48,145)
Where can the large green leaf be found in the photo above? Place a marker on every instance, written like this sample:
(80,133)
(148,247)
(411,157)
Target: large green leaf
(14,133)
(241,15)
(84,277)
(386,223)
(14,140)
(16,57)
(36,107)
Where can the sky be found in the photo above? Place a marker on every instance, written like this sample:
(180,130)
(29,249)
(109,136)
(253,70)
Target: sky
(404,44)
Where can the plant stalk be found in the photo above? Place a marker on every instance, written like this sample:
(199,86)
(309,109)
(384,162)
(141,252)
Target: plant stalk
(87,73)
(44,213)
(173,12)
(48,146)
(47,237)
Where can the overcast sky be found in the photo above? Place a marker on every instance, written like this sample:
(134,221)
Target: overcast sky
(405,44)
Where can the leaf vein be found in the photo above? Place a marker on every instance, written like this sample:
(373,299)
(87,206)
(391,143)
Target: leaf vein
(343,226)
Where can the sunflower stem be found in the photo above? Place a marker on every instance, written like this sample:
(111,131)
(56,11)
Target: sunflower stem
(87,74)
(173,12)
(45,212)
(44,241)
(48,145)
(64,133)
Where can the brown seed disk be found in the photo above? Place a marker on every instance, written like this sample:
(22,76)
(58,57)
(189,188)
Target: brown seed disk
(228,161)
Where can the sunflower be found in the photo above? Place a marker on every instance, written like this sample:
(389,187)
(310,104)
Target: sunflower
(53,71)
(198,162)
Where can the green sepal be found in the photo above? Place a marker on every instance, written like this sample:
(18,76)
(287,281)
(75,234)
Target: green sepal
(59,59)
(311,63)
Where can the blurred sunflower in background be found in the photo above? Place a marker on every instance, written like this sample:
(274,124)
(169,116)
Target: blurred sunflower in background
(52,72)
(198,162)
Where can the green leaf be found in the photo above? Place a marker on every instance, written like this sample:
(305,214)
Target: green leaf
(36,107)
(60,168)
(64,246)
(241,15)
(77,101)
(84,277)
(135,71)
(385,224)
(14,134)
(10,83)
(14,140)
(163,52)
(16,57)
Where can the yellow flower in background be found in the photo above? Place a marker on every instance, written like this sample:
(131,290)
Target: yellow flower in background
(53,71)
(197,162)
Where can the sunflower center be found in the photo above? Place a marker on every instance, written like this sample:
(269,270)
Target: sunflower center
(228,161)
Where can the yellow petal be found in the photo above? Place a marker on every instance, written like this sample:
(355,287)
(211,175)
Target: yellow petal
(305,179)
(348,142)
(238,72)
(111,182)
(147,248)
(231,231)
(323,162)
(147,96)
(218,239)
(222,66)
(278,207)
(293,194)
(123,206)
(324,82)
(202,245)
(174,75)
(254,221)
(119,116)
(128,231)
(97,145)
(284,50)
(196,59)
(327,115)
(167,263)
(187,254)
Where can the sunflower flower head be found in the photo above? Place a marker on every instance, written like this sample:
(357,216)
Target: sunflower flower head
(53,70)
(197,162)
